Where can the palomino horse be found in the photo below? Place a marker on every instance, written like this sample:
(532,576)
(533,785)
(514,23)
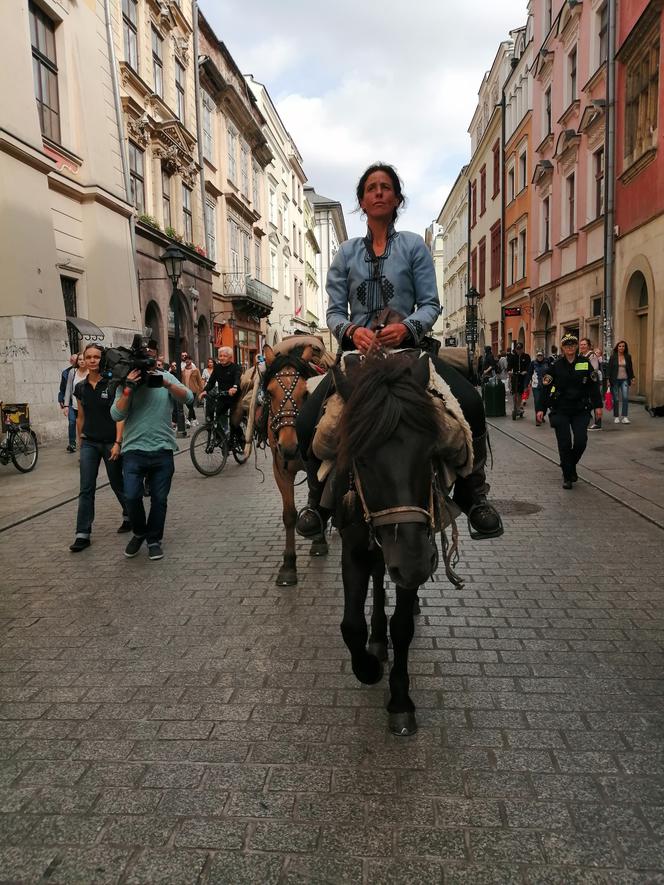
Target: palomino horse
(285,386)
(384,493)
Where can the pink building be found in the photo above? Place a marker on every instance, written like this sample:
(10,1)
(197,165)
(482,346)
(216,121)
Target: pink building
(567,199)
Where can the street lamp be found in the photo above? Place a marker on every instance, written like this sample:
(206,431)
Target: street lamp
(472,296)
(173,259)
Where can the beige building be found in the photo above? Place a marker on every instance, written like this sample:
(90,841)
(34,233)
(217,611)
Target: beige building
(235,156)
(65,232)
(453,222)
(484,176)
(312,282)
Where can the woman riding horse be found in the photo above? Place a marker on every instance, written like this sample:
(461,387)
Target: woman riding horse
(386,281)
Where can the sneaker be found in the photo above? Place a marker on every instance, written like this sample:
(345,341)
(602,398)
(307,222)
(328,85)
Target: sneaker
(70,449)
(625,420)
(133,547)
(616,420)
(194,423)
(155,551)
(594,427)
(125,527)
(567,483)
(79,544)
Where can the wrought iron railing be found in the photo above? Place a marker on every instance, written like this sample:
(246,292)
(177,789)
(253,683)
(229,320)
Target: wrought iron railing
(241,285)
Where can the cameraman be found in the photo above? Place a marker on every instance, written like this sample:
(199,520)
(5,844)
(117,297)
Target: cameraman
(148,443)
(226,376)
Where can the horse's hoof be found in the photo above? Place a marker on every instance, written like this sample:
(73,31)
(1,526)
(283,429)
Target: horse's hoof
(287,577)
(416,606)
(403,724)
(370,671)
(319,547)
(378,650)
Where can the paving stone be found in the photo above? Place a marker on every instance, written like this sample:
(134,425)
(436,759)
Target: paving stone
(356,841)
(208,802)
(427,842)
(281,836)
(25,864)
(468,813)
(134,829)
(214,834)
(395,872)
(173,775)
(166,867)
(506,847)
(100,865)
(590,849)
(483,875)
(244,869)
(126,801)
(322,870)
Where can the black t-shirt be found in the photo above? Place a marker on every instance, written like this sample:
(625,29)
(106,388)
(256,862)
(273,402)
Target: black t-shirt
(225,377)
(98,426)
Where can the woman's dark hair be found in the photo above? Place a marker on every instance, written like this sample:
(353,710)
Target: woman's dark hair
(622,341)
(396,183)
(91,345)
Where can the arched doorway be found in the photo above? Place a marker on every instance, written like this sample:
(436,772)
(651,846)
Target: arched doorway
(153,323)
(203,340)
(522,336)
(544,331)
(186,336)
(636,328)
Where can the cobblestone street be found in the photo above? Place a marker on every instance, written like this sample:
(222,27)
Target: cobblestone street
(186,721)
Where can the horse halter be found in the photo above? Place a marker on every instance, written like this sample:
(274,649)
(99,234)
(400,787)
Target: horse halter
(284,417)
(393,515)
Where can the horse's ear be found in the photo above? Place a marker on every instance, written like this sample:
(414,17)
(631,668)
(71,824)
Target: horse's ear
(341,382)
(308,354)
(421,371)
(269,355)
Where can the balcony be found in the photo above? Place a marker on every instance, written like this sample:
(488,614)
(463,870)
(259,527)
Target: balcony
(252,295)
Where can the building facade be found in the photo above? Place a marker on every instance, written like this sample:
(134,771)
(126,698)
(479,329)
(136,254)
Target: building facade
(639,195)
(484,198)
(517,169)
(235,155)
(312,283)
(567,207)
(453,222)
(65,210)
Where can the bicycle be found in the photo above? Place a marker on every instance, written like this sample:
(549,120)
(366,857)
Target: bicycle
(20,444)
(211,443)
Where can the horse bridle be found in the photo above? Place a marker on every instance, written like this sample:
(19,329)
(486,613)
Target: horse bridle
(285,417)
(392,515)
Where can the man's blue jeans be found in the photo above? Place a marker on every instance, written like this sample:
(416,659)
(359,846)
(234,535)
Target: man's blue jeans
(71,426)
(158,468)
(92,454)
(622,388)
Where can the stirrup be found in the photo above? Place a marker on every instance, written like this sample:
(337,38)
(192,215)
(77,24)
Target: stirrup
(481,536)
(320,529)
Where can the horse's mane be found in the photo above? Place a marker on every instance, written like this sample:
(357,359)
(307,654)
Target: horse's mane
(384,394)
(292,359)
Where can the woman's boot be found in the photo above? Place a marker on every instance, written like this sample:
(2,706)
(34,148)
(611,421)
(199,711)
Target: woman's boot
(470,494)
(312,519)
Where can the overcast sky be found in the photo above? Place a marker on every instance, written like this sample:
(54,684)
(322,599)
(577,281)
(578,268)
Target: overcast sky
(357,82)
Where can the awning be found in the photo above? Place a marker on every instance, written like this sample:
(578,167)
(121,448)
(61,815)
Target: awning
(86,329)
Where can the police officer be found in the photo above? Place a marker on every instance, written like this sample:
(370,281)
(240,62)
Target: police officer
(571,391)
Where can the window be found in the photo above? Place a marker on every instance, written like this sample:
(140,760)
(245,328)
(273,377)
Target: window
(274,272)
(293,187)
(294,240)
(546,225)
(256,187)
(570,197)
(287,286)
(548,12)
(244,169)
(473,269)
(496,169)
(257,259)
(136,177)
(234,245)
(474,202)
(284,217)
(69,297)
(481,269)
(130,32)
(603,32)
(231,139)
(45,70)
(523,170)
(547,111)
(273,207)
(187,217)
(482,191)
(179,91)
(596,306)
(511,190)
(522,255)
(641,100)
(496,241)
(210,230)
(208,142)
(246,257)
(512,252)
(598,169)
(166,198)
(158,62)
(572,93)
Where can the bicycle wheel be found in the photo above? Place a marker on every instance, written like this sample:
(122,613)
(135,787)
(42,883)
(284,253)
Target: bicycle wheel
(24,450)
(208,450)
(239,436)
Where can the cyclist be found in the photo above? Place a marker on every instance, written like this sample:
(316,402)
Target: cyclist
(226,378)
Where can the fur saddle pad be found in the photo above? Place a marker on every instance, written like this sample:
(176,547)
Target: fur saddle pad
(455,452)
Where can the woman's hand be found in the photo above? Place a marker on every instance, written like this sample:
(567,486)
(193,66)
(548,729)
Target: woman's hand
(539,416)
(115,452)
(392,335)
(363,339)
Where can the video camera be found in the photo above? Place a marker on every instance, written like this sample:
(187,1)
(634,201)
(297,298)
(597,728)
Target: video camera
(118,362)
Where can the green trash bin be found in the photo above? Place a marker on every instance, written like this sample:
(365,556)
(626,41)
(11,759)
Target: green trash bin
(493,395)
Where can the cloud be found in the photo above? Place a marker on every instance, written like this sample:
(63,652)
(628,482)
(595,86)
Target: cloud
(359,82)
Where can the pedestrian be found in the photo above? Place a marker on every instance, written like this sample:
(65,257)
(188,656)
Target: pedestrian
(536,372)
(488,365)
(585,349)
(554,354)
(226,378)
(100,440)
(504,374)
(191,378)
(66,389)
(621,375)
(518,363)
(572,391)
(148,443)
(208,370)
(73,379)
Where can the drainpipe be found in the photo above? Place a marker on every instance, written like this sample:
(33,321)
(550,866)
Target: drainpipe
(468,278)
(609,182)
(199,125)
(503,127)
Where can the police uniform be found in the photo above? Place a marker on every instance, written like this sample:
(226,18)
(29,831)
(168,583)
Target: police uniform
(571,391)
